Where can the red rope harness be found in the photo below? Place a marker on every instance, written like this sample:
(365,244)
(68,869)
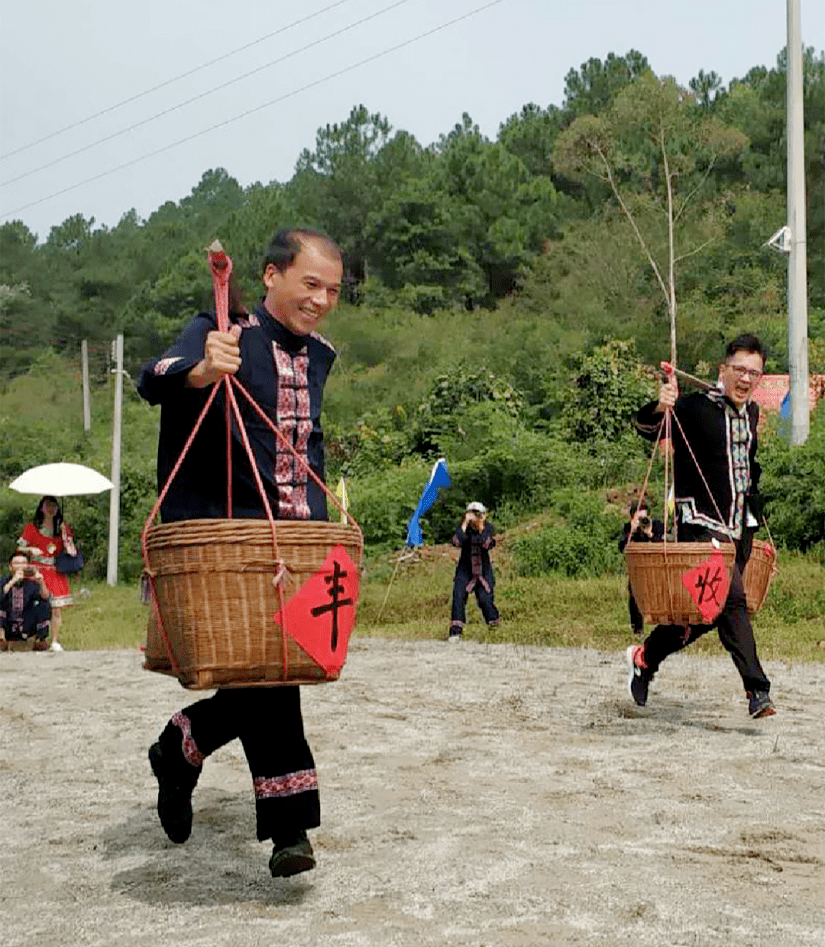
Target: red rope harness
(221,266)
(666,425)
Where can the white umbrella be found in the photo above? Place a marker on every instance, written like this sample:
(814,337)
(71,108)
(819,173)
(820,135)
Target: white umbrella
(60,480)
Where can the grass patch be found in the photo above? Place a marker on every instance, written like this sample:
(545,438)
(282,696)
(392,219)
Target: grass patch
(413,603)
(109,617)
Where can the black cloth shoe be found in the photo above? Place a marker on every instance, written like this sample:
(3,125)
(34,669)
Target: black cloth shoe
(291,857)
(760,704)
(639,677)
(174,797)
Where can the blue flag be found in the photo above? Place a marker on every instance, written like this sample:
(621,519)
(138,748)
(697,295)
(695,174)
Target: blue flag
(785,415)
(438,478)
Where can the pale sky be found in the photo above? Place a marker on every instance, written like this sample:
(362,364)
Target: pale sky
(61,63)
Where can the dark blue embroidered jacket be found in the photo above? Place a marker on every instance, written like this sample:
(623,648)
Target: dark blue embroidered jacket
(285,374)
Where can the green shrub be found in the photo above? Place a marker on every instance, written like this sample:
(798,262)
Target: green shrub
(610,385)
(583,545)
(793,485)
(521,476)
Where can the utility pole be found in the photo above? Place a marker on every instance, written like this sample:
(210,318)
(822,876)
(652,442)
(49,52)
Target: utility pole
(114,496)
(84,361)
(797,260)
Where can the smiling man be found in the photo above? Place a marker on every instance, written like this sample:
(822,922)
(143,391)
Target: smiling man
(283,363)
(716,497)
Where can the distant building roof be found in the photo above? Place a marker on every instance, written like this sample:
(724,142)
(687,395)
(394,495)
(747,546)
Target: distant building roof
(771,391)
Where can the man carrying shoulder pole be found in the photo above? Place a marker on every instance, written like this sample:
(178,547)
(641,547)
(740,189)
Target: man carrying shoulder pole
(716,479)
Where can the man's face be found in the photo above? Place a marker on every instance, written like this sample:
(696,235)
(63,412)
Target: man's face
(303,294)
(740,374)
(18,563)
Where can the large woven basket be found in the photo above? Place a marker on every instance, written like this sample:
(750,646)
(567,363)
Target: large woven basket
(656,570)
(217,600)
(758,575)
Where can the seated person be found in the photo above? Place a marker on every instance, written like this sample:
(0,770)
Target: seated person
(25,611)
(642,529)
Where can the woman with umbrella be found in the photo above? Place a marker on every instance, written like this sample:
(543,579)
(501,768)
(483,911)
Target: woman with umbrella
(43,540)
(47,537)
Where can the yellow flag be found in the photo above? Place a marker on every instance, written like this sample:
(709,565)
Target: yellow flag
(343,497)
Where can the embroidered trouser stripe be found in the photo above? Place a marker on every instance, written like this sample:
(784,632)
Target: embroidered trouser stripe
(189,748)
(268,722)
(272,787)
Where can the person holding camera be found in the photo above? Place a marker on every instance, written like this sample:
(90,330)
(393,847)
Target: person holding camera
(25,610)
(474,571)
(640,529)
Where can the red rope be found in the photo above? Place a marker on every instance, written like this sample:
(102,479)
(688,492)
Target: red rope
(221,266)
(666,424)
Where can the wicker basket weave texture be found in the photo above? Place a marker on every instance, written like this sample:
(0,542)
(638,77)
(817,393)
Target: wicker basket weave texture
(758,575)
(214,581)
(655,571)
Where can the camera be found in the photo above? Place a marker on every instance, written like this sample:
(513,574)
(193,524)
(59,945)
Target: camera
(29,571)
(644,521)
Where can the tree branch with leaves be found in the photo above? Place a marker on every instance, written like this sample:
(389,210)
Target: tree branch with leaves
(652,145)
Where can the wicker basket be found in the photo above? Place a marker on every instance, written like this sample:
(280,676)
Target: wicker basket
(656,571)
(758,575)
(217,600)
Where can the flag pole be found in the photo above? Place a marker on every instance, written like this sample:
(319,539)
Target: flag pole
(392,579)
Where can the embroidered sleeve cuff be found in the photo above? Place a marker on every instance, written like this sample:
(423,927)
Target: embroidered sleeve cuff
(165,377)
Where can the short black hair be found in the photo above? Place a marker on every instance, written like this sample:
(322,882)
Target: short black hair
(20,552)
(288,243)
(746,343)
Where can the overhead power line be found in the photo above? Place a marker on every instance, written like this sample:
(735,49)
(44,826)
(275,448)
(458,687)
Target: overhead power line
(167,82)
(258,108)
(201,95)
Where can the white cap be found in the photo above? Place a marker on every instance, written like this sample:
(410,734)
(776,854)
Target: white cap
(476,507)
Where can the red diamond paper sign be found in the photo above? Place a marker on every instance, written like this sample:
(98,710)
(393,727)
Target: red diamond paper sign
(321,614)
(708,584)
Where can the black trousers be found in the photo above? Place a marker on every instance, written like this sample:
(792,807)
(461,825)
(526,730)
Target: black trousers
(268,722)
(34,622)
(458,611)
(733,623)
(637,621)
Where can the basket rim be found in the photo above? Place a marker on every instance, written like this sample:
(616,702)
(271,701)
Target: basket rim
(258,531)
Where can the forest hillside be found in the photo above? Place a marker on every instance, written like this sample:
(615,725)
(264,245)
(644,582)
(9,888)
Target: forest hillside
(505,302)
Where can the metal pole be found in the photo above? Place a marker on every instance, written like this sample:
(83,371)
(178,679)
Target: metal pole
(84,360)
(797,261)
(114,497)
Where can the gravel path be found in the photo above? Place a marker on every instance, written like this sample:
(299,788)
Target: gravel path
(478,795)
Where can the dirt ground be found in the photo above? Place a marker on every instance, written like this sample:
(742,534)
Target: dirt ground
(480,795)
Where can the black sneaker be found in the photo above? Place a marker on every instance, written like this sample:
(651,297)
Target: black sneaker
(639,677)
(174,798)
(292,857)
(760,704)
